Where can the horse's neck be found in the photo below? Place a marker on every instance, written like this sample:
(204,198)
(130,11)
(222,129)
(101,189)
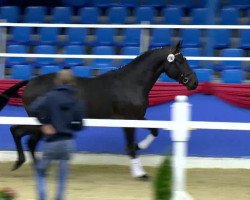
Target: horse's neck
(148,67)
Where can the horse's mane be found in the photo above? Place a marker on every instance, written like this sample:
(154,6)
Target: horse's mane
(145,54)
(141,57)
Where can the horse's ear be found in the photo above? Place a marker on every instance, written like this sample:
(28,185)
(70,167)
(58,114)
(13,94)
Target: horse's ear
(178,47)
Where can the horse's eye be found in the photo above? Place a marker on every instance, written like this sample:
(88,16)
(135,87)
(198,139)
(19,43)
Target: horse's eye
(185,80)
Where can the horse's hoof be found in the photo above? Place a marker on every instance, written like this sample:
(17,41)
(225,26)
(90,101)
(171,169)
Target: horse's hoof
(144,177)
(17,165)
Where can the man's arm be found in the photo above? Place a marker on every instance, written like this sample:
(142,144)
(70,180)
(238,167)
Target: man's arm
(39,108)
(80,110)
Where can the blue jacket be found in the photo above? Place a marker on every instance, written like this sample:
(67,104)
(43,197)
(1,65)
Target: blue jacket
(55,108)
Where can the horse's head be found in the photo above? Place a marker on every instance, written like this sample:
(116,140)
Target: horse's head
(177,67)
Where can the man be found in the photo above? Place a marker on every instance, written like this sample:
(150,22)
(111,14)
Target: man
(61,114)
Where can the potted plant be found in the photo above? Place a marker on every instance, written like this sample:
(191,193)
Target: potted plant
(7,194)
(163,181)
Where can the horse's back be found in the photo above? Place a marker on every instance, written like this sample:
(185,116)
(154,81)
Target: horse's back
(90,90)
(111,95)
(36,87)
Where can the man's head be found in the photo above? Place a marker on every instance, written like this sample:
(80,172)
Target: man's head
(65,77)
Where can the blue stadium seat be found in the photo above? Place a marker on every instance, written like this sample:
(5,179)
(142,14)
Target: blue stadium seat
(244,42)
(242,4)
(48,35)
(160,37)
(82,71)
(131,37)
(232,76)
(61,15)
(248,16)
(16,60)
(129,51)
(89,15)
(192,52)
(105,70)
(154,3)
(204,75)
(221,38)
(10,13)
(74,50)
(230,52)
(20,35)
(199,16)
(104,37)
(44,49)
(75,36)
(230,16)
(103,50)
(117,15)
(48,69)
(34,14)
(144,14)
(21,72)
(191,37)
(172,15)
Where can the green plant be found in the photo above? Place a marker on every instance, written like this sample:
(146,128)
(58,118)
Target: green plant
(7,194)
(163,181)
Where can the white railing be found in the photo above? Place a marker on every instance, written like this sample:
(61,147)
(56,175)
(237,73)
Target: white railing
(180,127)
(142,26)
(148,26)
(86,56)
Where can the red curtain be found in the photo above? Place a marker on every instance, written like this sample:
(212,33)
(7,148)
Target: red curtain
(236,94)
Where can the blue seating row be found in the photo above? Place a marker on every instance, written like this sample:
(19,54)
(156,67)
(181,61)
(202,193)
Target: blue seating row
(135,3)
(130,37)
(103,36)
(243,4)
(68,62)
(24,72)
(109,50)
(115,15)
(88,15)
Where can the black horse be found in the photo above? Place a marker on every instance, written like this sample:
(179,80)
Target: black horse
(118,94)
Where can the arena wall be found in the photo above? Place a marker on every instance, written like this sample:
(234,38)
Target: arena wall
(203,143)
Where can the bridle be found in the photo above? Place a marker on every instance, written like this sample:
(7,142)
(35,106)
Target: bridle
(184,77)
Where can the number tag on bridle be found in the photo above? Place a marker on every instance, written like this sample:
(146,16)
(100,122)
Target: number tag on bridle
(171,57)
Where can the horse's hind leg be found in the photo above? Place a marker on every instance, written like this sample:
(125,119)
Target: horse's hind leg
(18,131)
(137,170)
(33,141)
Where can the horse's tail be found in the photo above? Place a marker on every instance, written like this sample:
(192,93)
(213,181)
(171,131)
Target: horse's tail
(11,92)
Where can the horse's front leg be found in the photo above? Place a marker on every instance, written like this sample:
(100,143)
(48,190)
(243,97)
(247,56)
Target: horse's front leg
(18,131)
(137,170)
(146,142)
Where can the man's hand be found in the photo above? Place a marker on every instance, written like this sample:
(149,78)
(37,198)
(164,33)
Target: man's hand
(48,129)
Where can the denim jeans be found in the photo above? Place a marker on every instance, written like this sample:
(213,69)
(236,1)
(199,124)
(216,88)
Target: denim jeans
(60,151)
